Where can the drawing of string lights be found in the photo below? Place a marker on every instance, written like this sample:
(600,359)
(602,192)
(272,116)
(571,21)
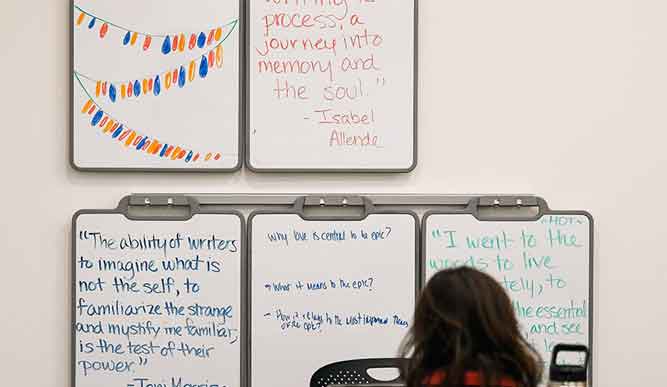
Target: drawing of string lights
(177,77)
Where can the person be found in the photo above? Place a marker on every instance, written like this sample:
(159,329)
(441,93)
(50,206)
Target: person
(465,333)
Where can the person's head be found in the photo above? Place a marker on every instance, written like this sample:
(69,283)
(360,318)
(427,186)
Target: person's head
(464,321)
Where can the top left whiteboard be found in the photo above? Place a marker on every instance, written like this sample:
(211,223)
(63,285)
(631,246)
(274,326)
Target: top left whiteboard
(156,85)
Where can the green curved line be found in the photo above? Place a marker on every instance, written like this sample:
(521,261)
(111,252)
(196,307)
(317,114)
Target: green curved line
(119,121)
(129,29)
(76,75)
(93,79)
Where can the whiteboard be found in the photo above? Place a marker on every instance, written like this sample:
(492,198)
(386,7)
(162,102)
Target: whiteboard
(142,101)
(331,85)
(328,298)
(545,266)
(157,302)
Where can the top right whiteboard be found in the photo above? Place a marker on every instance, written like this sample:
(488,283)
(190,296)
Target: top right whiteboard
(331,85)
(544,265)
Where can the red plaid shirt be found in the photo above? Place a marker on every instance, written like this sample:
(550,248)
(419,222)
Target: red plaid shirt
(469,379)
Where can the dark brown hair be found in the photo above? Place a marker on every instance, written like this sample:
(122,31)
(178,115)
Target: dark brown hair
(464,321)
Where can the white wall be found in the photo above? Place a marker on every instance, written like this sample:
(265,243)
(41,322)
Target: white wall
(565,99)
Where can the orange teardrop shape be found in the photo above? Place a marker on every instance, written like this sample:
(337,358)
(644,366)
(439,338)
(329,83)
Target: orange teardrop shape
(181,43)
(147,42)
(167,80)
(130,138)
(193,41)
(219,56)
(87,106)
(168,151)
(175,153)
(110,125)
(154,147)
(191,73)
(79,20)
(104,30)
(211,59)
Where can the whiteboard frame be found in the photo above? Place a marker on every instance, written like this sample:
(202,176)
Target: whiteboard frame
(298,209)
(422,206)
(543,210)
(241,115)
(415,111)
(123,208)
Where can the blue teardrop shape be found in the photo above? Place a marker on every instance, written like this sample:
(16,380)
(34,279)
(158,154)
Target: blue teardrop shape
(156,86)
(201,40)
(164,150)
(203,67)
(97,118)
(112,93)
(126,39)
(142,143)
(137,88)
(181,77)
(189,157)
(117,132)
(92,22)
(166,46)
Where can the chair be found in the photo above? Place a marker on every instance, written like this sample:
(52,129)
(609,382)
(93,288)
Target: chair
(355,372)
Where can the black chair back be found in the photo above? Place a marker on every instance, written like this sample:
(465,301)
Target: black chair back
(355,372)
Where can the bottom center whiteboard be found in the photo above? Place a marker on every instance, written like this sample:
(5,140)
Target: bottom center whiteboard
(328,291)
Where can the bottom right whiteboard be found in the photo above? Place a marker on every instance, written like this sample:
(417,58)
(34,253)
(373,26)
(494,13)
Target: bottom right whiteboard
(545,266)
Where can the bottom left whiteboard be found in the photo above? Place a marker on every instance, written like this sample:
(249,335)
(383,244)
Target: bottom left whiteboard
(157,303)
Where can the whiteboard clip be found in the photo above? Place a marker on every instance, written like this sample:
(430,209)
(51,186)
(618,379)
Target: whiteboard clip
(332,201)
(347,202)
(158,206)
(510,201)
(160,200)
(508,207)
